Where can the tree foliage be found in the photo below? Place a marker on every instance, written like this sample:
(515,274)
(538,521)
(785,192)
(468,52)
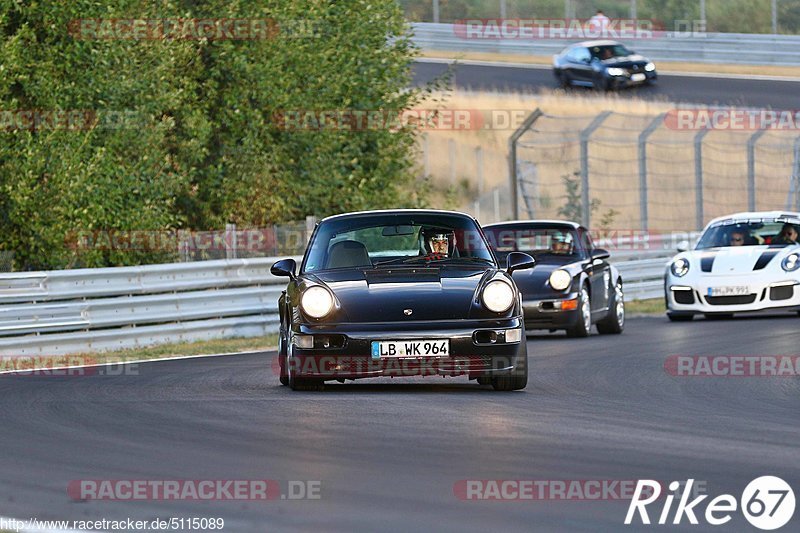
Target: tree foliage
(198,146)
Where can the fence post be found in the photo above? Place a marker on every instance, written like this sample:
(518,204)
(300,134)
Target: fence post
(451,149)
(502,9)
(426,158)
(476,208)
(496,194)
(585,136)
(796,171)
(643,206)
(567,9)
(230,241)
(633,10)
(698,177)
(512,160)
(751,169)
(479,168)
(436,11)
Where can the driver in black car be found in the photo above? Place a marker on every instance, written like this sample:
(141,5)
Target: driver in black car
(437,243)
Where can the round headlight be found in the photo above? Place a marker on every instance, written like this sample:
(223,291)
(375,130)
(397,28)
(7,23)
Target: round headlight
(316,301)
(679,267)
(498,296)
(560,280)
(791,262)
(650,67)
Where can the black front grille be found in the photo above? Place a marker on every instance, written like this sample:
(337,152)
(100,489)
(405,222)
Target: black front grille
(731,300)
(684,297)
(781,293)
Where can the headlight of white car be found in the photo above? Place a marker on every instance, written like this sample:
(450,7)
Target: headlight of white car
(679,267)
(560,280)
(650,67)
(614,71)
(791,262)
(498,296)
(317,301)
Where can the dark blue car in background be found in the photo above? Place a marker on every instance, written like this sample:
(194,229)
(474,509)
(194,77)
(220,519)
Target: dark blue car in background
(602,65)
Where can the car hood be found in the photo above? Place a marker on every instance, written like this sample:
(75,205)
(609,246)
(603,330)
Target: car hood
(737,260)
(385,295)
(626,61)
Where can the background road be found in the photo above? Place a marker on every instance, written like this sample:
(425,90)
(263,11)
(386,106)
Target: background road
(388,452)
(680,89)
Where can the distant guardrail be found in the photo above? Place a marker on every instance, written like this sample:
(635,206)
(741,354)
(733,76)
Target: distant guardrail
(88,310)
(729,48)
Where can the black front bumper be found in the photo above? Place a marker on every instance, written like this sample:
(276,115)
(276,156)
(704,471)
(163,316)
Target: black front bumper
(542,314)
(472,351)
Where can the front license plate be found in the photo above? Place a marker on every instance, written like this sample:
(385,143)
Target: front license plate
(637,77)
(729,291)
(410,348)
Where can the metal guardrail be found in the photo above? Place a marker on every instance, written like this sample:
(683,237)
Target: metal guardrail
(87,310)
(732,48)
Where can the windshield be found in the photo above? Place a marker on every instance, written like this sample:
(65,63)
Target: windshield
(610,51)
(773,232)
(555,241)
(368,241)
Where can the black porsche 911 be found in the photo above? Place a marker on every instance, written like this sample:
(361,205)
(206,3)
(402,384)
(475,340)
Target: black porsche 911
(602,65)
(401,293)
(572,286)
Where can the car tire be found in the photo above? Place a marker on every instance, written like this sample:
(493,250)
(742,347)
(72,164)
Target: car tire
(300,384)
(614,322)
(516,380)
(563,79)
(583,327)
(675,317)
(284,378)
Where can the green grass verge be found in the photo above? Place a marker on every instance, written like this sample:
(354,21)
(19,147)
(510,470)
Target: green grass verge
(653,306)
(183,349)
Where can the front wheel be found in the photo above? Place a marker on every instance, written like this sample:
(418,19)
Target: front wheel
(296,383)
(284,378)
(516,380)
(563,79)
(614,322)
(583,326)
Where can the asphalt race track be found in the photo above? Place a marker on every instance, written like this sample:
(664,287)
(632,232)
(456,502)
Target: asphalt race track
(388,452)
(669,88)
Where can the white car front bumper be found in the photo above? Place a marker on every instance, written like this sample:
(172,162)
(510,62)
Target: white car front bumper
(697,296)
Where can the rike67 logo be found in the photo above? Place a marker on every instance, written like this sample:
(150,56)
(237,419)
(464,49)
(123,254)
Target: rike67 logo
(767,503)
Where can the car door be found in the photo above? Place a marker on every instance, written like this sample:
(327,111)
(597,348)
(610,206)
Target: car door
(580,64)
(599,272)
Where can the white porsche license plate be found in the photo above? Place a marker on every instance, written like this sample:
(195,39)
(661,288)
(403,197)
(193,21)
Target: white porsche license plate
(410,348)
(637,77)
(729,291)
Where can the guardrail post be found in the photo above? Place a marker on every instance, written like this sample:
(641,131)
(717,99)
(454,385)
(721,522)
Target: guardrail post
(512,159)
(643,211)
(751,169)
(698,177)
(585,136)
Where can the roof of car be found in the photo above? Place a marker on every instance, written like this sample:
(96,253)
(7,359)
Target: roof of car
(573,225)
(397,212)
(746,215)
(589,44)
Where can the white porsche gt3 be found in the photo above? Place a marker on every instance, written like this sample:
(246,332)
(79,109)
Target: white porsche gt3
(742,263)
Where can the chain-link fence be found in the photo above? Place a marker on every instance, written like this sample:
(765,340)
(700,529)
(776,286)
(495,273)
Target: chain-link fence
(730,16)
(652,172)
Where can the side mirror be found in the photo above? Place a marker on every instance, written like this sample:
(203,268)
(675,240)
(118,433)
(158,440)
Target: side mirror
(683,246)
(599,254)
(519,261)
(284,267)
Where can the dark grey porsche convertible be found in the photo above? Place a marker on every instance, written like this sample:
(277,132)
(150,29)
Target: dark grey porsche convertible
(572,286)
(401,293)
